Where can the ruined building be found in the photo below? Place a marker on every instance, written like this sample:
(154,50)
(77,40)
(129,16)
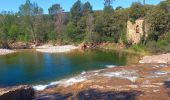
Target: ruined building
(135,31)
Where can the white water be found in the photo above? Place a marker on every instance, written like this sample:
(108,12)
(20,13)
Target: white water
(64,82)
(130,75)
(110,66)
(124,74)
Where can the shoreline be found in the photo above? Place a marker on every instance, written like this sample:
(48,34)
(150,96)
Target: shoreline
(121,48)
(6,51)
(43,49)
(55,49)
(49,48)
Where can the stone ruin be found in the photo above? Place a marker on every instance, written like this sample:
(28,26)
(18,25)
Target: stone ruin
(135,31)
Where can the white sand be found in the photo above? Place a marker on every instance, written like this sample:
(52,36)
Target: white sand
(163,58)
(56,49)
(6,51)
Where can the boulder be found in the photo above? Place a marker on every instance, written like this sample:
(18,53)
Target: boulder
(22,92)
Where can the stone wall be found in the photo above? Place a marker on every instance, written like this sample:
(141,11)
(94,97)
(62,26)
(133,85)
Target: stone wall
(135,31)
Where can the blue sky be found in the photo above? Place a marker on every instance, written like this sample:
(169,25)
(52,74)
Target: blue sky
(13,5)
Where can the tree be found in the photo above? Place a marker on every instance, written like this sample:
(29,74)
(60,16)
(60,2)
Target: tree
(54,9)
(30,9)
(107,6)
(60,20)
(136,11)
(30,12)
(76,11)
(4,25)
(108,2)
(87,8)
(98,25)
(118,8)
(159,21)
(90,28)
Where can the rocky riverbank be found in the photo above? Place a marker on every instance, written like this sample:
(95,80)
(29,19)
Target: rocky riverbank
(136,82)
(43,48)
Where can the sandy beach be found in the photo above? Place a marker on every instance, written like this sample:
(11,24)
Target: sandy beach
(6,51)
(55,49)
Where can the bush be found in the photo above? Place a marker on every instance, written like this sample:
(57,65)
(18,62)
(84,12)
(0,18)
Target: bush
(138,48)
(159,46)
(51,36)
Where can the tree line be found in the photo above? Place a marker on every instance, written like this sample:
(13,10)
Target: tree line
(83,24)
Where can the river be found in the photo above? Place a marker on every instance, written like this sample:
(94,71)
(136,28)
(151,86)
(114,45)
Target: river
(32,67)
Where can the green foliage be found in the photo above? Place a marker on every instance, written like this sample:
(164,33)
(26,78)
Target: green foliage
(54,9)
(87,8)
(82,24)
(108,9)
(159,46)
(138,48)
(13,32)
(70,31)
(162,45)
(30,9)
(94,38)
(76,11)
(51,36)
(108,2)
(98,25)
(119,8)
(159,19)
(137,10)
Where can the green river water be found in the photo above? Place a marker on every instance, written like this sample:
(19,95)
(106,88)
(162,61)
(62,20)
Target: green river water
(31,67)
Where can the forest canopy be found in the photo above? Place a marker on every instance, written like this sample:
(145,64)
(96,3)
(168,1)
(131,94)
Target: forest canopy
(83,24)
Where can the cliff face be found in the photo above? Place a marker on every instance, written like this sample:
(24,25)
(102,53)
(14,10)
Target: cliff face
(135,31)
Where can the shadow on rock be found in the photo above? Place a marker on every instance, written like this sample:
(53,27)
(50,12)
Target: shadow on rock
(98,95)
(167,85)
(55,96)
(91,94)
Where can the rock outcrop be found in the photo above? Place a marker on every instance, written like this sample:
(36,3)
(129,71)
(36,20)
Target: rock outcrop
(136,30)
(22,92)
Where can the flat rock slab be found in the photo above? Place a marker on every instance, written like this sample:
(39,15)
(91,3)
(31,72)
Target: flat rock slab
(163,58)
(136,82)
